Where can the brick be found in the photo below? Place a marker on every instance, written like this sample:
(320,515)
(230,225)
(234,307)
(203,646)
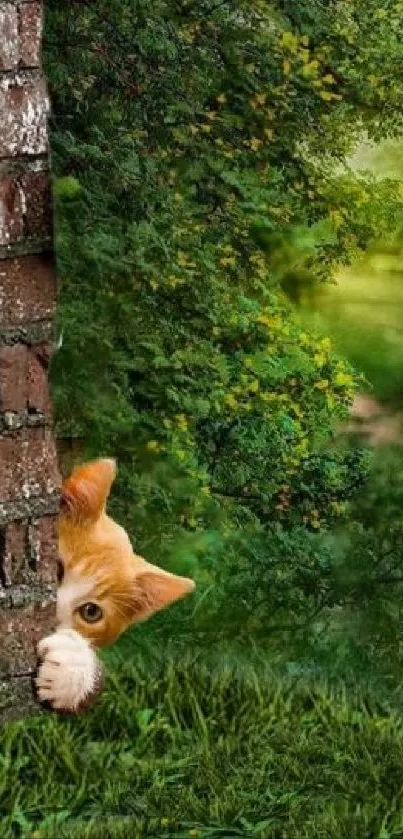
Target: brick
(9,46)
(30,15)
(14,554)
(38,399)
(28,466)
(11,210)
(42,543)
(25,207)
(23,379)
(24,107)
(20,631)
(28,552)
(36,187)
(27,289)
(13,378)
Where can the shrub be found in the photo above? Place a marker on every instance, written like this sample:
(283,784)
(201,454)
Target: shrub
(195,151)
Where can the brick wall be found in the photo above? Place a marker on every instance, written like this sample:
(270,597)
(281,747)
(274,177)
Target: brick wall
(29,478)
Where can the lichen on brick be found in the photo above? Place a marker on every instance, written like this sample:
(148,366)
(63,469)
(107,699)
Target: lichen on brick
(24,107)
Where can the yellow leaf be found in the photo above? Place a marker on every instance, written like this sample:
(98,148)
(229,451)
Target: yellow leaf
(322,384)
(336,217)
(286,67)
(310,68)
(343,379)
(230,400)
(328,97)
(255,144)
(289,41)
(268,320)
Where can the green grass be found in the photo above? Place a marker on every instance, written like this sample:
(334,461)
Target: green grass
(180,746)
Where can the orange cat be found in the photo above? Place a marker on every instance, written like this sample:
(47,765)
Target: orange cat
(104,587)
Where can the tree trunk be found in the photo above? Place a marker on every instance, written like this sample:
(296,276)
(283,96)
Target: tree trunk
(29,477)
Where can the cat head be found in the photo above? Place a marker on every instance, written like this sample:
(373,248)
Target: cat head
(104,587)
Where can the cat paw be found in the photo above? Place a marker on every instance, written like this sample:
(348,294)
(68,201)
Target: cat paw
(69,674)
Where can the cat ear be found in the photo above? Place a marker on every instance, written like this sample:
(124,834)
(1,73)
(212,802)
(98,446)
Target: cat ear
(155,589)
(85,492)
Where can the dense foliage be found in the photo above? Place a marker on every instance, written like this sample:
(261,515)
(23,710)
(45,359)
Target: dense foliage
(199,149)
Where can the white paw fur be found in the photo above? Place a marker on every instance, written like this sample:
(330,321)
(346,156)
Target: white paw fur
(69,674)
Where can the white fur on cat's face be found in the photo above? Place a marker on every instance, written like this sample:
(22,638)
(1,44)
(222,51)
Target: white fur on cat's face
(71,593)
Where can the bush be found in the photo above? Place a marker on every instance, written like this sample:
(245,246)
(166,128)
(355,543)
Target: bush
(195,154)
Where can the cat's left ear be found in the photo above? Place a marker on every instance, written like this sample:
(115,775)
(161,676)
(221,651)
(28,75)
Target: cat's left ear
(156,589)
(86,491)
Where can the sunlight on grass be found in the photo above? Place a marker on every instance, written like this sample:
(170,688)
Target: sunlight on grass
(363,310)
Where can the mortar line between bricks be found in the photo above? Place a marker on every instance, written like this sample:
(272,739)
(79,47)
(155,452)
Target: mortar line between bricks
(29,68)
(23,75)
(11,420)
(23,163)
(10,676)
(26,248)
(4,3)
(38,332)
(33,508)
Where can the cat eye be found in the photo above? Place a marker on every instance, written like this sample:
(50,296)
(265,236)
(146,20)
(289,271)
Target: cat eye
(90,612)
(59,571)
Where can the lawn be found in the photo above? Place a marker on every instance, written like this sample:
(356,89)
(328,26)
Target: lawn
(182,745)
